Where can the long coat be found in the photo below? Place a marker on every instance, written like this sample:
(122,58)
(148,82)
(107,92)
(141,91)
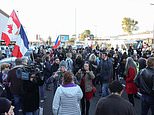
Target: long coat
(130,85)
(89,76)
(31,95)
(114,105)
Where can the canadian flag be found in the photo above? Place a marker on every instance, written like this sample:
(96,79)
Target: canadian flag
(11,30)
(14,31)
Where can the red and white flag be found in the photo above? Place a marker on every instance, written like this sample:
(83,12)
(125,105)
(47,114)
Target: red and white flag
(14,31)
(11,30)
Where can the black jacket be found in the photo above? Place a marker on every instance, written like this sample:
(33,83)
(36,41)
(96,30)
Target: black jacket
(114,105)
(105,70)
(31,94)
(145,81)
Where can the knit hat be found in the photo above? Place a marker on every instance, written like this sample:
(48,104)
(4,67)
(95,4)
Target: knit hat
(62,63)
(5,105)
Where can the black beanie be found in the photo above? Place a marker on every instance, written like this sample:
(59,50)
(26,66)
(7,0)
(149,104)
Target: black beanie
(5,105)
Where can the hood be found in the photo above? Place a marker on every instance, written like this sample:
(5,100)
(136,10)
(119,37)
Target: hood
(70,91)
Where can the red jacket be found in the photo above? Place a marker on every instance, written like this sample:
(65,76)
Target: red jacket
(130,85)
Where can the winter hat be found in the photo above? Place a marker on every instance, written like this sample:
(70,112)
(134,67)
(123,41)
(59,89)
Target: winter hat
(18,61)
(5,105)
(62,63)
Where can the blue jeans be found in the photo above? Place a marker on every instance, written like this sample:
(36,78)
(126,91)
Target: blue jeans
(105,91)
(17,104)
(41,91)
(147,102)
(32,113)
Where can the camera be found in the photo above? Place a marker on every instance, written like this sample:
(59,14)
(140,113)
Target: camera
(26,72)
(83,70)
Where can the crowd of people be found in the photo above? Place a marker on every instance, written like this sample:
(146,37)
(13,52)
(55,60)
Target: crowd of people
(76,75)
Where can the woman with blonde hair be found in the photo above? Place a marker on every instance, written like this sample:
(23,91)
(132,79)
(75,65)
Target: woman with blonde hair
(93,66)
(130,73)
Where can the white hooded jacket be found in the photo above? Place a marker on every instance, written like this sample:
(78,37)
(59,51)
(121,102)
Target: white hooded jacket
(67,100)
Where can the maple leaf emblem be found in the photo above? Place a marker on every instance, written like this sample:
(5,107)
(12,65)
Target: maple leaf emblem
(10,28)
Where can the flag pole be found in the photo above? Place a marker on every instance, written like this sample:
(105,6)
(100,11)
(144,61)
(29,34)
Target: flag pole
(75,22)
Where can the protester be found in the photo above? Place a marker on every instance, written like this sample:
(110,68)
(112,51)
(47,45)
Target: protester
(5,107)
(122,64)
(55,65)
(93,65)
(3,79)
(145,83)
(16,86)
(78,63)
(130,73)
(85,77)
(57,76)
(142,63)
(47,69)
(105,70)
(39,67)
(114,104)
(67,97)
(115,65)
(30,97)
(69,62)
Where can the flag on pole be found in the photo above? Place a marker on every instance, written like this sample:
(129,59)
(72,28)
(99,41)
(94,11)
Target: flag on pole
(22,43)
(14,31)
(57,43)
(12,28)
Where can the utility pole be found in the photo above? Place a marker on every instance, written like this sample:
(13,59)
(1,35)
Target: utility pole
(152,4)
(75,25)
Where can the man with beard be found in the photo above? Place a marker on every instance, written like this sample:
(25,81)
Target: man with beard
(55,65)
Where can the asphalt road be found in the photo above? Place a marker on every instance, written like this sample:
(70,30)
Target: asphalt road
(47,104)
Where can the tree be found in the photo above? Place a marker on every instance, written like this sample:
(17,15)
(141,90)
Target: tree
(85,34)
(129,25)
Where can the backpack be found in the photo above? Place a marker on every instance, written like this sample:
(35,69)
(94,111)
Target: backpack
(69,65)
(22,73)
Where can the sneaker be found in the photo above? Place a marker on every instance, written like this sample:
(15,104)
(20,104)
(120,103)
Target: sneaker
(42,100)
(20,110)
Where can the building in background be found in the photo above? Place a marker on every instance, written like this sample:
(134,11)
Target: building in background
(3,20)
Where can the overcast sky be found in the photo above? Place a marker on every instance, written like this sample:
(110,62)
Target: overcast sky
(102,17)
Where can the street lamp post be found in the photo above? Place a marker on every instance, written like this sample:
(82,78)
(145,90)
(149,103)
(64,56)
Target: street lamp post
(75,24)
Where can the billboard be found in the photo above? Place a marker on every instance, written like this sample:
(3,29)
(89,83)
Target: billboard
(64,38)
